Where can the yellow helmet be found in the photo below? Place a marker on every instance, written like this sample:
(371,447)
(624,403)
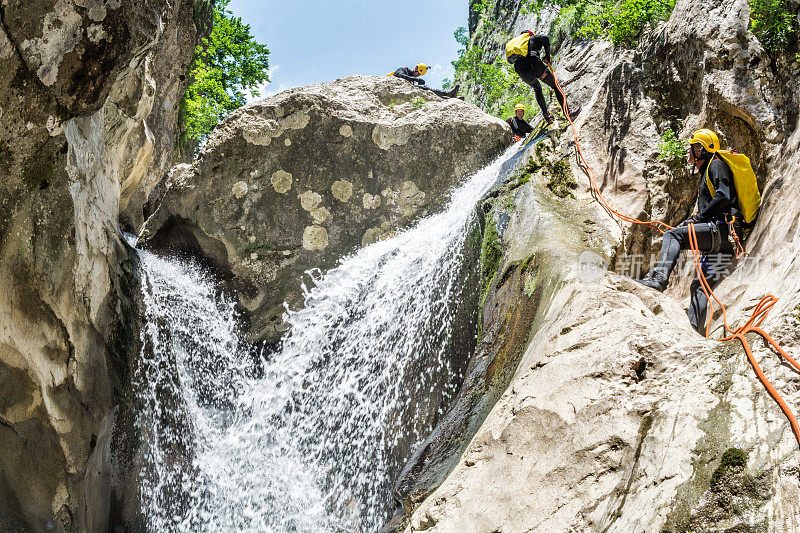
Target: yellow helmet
(518,107)
(707,138)
(422,68)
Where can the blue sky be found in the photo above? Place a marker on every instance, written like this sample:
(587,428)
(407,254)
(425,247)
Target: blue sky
(314,41)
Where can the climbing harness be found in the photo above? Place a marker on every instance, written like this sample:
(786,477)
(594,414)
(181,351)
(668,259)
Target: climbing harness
(761,310)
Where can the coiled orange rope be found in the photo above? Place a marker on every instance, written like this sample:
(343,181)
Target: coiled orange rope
(751,326)
(759,313)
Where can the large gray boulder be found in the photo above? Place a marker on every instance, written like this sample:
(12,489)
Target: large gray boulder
(303,178)
(81,82)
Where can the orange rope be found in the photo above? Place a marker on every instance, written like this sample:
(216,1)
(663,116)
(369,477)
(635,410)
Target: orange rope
(759,313)
(655,224)
(751,326)
(739,248)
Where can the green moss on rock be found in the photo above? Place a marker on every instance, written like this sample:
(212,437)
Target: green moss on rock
(733,499)
(491,255)
(732,458)
(562,182)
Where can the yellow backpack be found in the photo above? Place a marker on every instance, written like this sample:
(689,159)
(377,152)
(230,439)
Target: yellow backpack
(517,48)
(744,180)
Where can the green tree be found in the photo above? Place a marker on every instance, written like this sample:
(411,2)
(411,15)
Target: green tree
(772,22)
(226,65)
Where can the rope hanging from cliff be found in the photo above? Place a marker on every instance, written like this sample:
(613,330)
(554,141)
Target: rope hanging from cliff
(751,326)
(655,224)
(760,312)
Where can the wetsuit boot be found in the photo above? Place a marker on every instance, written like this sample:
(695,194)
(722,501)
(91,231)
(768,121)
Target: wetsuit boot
(709,239)
(654,281)
(452,92)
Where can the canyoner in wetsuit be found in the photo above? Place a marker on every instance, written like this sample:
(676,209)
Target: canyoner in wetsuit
(525,53)
(519,126)
(717,214)
(413,75)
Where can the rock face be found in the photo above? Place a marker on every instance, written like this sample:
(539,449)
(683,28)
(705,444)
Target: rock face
(81,81)
(298,180)
(619,415)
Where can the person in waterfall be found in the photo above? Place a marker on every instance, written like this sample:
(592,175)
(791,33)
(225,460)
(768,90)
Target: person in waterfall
(413,76)
(530,56)
(723,217)
(519,126)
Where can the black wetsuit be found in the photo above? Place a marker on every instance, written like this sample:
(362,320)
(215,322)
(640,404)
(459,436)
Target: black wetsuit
(712,231)
(408,74)
(532,70)
(519,126)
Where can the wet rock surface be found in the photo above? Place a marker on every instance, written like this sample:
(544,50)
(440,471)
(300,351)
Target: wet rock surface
(298,180)
(618,414)
(81,82)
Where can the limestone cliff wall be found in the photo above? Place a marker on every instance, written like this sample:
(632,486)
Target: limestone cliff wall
(88,89)
(618,415)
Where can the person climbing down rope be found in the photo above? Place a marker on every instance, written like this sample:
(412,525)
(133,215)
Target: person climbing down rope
(414,77)
(519,126)
(524,52)
(723,215)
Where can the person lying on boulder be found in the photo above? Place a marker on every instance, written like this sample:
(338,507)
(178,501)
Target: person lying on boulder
(525,53)
(723,215)
(414,77)
(519,126)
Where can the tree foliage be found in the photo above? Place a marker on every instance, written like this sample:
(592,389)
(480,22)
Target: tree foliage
(772,23)
(671,148)
(226,66)
(621,21)
(497,87)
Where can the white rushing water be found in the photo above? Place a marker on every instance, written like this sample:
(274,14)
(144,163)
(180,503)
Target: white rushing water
(310,437)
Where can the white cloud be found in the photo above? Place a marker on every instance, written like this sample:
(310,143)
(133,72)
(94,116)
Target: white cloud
(435,75)
(266,89)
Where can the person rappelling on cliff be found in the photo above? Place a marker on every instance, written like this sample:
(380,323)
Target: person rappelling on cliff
(727,204)
(414,77)
(525,53)
(519,126)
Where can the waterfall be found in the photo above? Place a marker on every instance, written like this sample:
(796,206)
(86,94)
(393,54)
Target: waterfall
(311,436)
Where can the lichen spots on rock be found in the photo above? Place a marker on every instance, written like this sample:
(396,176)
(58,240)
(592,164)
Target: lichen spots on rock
(61,31)
(371,201)
(410,199)
(377,233)
(345,130)
(239,189)
(320,215)
(260,131)
(387,136)
(315,238)
(96,33)
(310,200)
(342,190)
(281,181)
